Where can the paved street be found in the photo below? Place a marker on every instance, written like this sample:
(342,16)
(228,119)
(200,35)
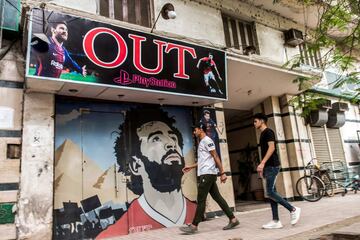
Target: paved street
(329,214)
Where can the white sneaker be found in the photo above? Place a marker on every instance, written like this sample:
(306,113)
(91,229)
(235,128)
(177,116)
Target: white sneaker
(295,216)
(272,225)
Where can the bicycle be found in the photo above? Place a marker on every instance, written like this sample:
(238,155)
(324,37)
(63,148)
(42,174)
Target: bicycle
(342,177)
(325,177)
(315,188)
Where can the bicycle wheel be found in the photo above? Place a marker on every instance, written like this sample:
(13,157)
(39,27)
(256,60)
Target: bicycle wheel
(329,189)
(310,188)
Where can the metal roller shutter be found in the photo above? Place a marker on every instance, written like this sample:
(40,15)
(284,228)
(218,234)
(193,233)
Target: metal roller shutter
(328,147)
(336,145)
(320,144)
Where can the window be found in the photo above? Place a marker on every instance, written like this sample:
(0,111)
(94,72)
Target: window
(240,34)
(309,57)
(132,11)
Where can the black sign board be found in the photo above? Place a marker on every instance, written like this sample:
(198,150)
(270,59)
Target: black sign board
(75,49)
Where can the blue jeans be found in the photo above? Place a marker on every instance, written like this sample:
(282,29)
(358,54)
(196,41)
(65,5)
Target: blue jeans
(270,174)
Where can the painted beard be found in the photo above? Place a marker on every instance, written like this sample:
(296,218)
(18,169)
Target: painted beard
(164,177)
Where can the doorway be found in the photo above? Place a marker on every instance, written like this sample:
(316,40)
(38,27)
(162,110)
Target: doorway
(244,157)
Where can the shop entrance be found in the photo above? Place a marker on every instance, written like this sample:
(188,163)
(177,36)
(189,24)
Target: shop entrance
(244,156)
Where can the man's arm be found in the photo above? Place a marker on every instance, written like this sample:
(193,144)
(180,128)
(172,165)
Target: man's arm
(223,176)
(188,168)
(269,152)
(69,61)
(198,64)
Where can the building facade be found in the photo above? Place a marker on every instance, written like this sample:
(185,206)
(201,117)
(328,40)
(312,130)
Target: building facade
(84,126)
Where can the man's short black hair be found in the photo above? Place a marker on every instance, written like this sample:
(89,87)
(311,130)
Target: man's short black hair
(206,112)
(260,116)
(56,23)
(200,126)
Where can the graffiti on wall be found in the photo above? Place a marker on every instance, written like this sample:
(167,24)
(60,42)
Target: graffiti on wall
(118,169)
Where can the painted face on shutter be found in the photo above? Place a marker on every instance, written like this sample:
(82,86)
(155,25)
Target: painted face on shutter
(162,156)
(157,141)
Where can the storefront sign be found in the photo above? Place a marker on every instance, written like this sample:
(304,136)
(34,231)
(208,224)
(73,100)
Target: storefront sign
(81,50)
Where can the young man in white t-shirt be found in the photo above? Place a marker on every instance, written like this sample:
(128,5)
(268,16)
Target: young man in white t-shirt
(208,165)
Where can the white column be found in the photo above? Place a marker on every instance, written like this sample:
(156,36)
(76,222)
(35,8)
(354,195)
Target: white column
(35,206)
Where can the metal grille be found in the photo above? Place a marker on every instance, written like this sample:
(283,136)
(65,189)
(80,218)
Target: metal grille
(240,35)
(132,11)
(309,56)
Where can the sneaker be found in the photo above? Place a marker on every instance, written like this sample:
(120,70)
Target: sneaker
(212,90)
(231,225)
(272,225)
(189,229)
(295,216)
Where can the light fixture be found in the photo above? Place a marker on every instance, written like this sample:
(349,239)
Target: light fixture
(167,12)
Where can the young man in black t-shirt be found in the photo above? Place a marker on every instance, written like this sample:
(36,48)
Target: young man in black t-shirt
(269,168)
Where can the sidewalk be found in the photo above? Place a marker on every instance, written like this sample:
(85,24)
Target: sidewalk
(314,215)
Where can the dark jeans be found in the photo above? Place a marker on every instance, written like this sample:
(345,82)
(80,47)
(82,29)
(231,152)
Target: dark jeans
(270,174)
(207,185)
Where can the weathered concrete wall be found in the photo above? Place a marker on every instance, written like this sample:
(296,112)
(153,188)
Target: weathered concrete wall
(254,13)
(83,5)
(193,20)
(275,51)
(34,218)
(11,97)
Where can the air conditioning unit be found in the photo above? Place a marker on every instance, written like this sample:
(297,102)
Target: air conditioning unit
(318,118)
(340,106)
(336,119)
(293,37)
